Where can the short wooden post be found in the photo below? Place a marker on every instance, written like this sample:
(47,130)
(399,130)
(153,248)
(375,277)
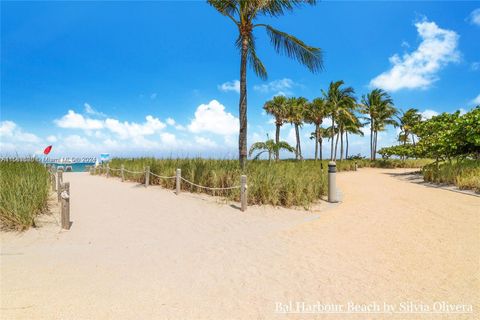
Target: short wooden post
(53,181)
(178,180)
(122,168)
(65,195)
(147,176)
(243,192)
(59,183)
(108,170)
(356,166)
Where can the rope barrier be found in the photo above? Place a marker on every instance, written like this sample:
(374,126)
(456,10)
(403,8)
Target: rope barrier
(209,188)
(134,172)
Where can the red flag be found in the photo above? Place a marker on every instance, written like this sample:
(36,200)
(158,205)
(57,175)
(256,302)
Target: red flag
(47,150)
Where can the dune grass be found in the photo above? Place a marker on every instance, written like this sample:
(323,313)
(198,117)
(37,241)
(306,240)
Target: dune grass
(24,191)
(287,183)
(464,174)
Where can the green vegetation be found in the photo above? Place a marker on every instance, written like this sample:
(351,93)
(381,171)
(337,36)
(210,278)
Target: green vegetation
(245,15)
(271,147)
(286,183)
(24,191)
(464,174)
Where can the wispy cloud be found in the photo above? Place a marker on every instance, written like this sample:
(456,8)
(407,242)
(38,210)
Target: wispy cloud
(476,101)
(475,66)
(282,87)
(230,86)
(91,111)
(428,114)
(419,68)
(474,17)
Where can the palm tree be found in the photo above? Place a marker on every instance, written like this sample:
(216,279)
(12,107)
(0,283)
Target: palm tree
(277,107)
(271,147)
(378,106)
(407,121)
(315,112)
(353,127)
(318,135)
(244,13)
(340,102)
(296,109)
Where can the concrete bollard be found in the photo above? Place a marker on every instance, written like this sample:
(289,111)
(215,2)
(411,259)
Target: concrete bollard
(59,183)
(243,192)
(178,180)
(122,173)
(108,170)
(65,196)
(332,188)
(147,176)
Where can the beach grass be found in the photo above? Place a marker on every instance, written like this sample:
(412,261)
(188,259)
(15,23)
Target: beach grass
(464,174)
(24,192)
(286,183)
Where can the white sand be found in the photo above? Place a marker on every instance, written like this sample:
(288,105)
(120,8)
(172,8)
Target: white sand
(136,253)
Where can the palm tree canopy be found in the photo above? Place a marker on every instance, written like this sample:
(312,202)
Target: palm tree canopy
(340,100)
(269,146)
(244,12)
(277,107)
(316,111)
(296,109)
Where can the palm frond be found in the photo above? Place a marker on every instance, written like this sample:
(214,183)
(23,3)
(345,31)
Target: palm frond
(295,48)
(257,146)
(226,7)
(275,8)
(255,63)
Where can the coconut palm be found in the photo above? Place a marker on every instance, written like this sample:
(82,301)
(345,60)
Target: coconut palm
(318,135)
(353,127)
(277,107)
(407,121)
(271,147)
(340,103)
(315,112)
(244,15)
(378,107)
(296,109)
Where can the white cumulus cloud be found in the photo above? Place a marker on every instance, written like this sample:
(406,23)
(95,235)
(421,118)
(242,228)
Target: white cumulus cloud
(126,129)
(419,68)
(230,86)
(73,120)
(428,114)
(213,118)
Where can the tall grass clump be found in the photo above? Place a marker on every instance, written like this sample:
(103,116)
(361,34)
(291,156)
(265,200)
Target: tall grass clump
(464,174)
(24,191)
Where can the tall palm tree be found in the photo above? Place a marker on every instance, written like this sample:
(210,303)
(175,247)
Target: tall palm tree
(340,102)
(378,107)
(352,127)
(407,121)
(296,109)
(319,135)
(244,14)
(315,112)
(278,108)
(271,147)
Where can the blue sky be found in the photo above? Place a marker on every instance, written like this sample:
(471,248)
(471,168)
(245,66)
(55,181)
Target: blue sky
(159,78)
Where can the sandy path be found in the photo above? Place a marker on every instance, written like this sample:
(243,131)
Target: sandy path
(136,253)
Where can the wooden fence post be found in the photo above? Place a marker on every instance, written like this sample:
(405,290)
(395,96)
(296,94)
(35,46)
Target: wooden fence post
(108,170)
(243,192)
(59,183)
(65,195)
(122,172)
(178,180)
(53,181)
(147,176)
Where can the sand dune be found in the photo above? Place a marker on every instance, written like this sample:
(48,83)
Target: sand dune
(136,253)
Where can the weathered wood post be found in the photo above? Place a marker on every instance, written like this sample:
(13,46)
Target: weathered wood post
(332,188)
(53,181)
(147,176)
(243,192)
(122,173)
(108,170)
(65,195)
(178,180)
(356,166)
(59,183)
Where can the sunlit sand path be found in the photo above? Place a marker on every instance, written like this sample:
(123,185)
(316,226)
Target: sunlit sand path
(136,253)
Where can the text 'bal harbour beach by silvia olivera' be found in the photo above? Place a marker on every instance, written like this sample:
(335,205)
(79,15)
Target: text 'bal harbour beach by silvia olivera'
(240,159)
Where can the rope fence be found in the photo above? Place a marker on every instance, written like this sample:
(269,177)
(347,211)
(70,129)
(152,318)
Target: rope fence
(63,195)
(178,180)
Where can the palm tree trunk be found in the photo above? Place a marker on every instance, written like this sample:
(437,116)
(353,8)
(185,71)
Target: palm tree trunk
(277,139)
(341,145)
(336,144)
(332,136)
(242,136)
(321,146)
(375,146)
(346,141)
(371,139)
(299,148)
(317,134)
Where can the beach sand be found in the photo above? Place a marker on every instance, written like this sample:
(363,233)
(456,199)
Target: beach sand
(140,253)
